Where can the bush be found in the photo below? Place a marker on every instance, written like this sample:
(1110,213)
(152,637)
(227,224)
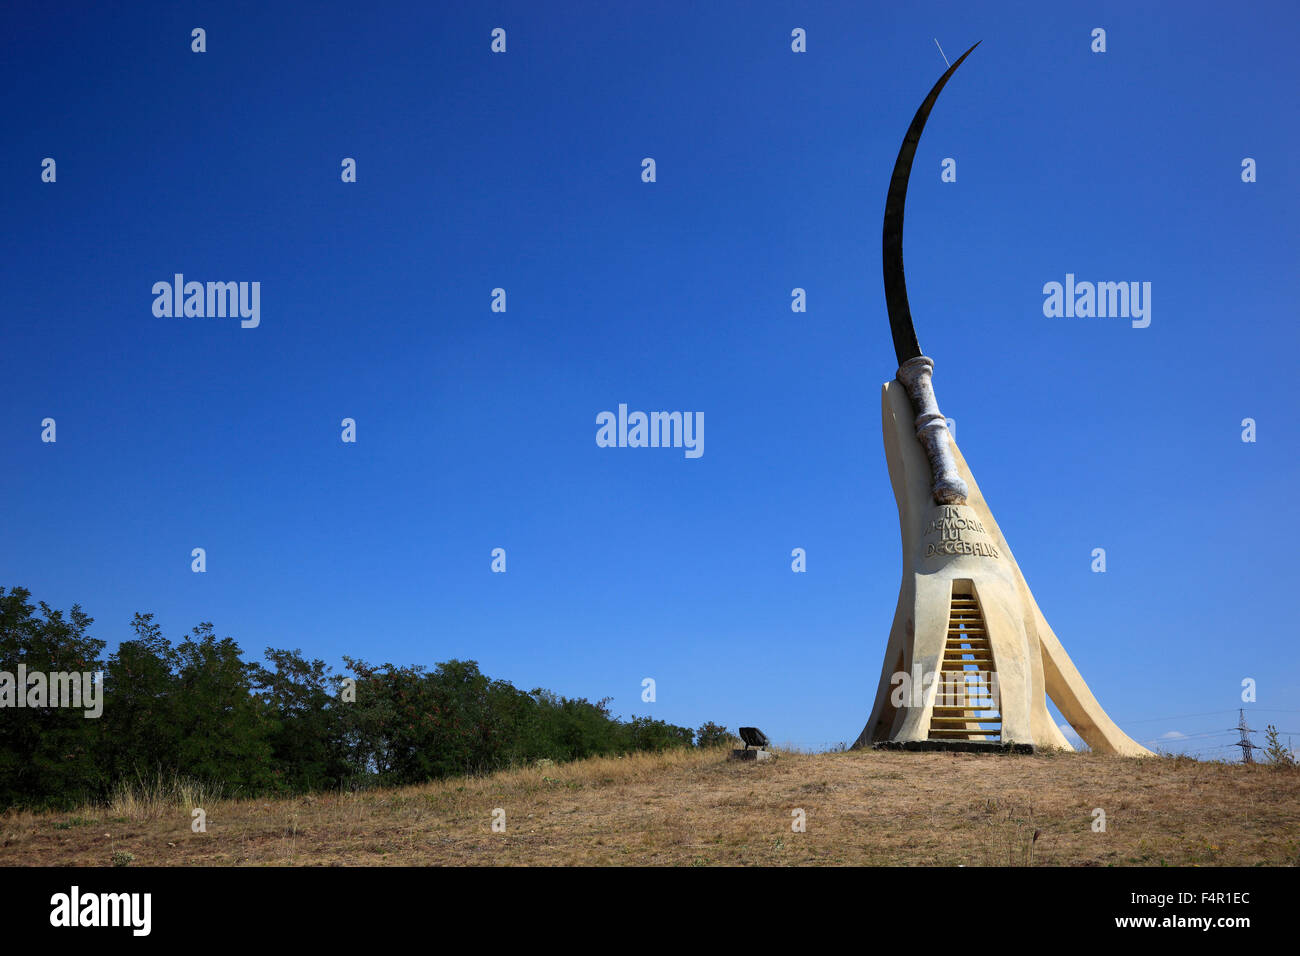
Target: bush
(1277,753)
(714,735)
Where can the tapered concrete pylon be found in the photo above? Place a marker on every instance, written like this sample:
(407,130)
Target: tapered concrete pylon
(979,657)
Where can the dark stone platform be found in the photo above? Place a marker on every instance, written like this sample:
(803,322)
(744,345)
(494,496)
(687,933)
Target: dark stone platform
(957,746)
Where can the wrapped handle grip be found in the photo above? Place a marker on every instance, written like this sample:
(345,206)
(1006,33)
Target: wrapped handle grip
(932,431)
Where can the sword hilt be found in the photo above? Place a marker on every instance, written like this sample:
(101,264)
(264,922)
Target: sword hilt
(932,431)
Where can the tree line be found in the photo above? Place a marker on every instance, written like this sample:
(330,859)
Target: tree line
(198,710)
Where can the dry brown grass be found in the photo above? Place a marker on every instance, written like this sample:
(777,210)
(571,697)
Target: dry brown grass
(696,808)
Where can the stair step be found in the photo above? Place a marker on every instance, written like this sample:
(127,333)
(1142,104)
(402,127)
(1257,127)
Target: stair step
(966,730)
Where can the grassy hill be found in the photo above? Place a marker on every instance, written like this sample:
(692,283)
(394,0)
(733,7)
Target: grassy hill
(693,807)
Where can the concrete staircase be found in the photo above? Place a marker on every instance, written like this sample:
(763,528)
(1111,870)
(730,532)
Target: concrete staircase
(963,702)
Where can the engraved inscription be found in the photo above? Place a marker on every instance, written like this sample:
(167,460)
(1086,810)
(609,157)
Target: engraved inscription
(954,531)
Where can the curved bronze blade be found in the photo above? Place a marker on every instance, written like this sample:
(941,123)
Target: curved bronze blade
(900,314)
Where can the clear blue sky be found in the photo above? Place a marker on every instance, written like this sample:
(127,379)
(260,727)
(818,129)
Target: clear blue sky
(476,429)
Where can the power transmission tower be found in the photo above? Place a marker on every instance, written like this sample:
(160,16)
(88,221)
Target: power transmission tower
(1245,743)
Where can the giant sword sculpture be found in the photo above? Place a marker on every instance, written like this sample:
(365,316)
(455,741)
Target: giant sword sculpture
(971,660)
